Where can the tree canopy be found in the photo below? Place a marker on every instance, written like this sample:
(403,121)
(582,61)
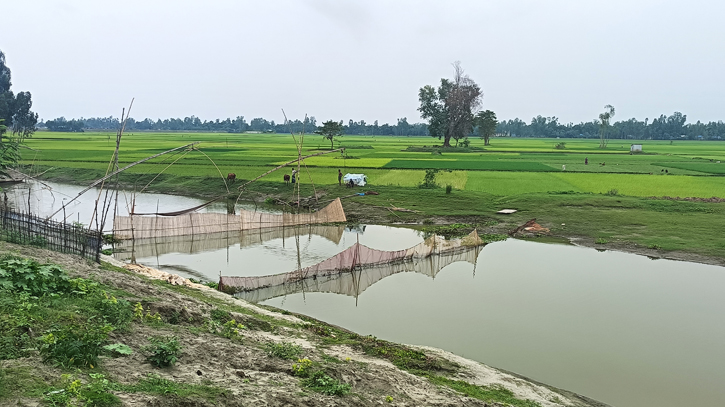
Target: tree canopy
(486,122)
(450,108)
(15,114)
(329,130)
(15,109)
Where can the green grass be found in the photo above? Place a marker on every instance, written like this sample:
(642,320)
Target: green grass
(154,384)
(524,174)
(486,393)
(455,164)
(20,382)
(707,167)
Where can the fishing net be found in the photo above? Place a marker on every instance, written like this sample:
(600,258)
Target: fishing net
(157,246)
(140,227)
(427,257)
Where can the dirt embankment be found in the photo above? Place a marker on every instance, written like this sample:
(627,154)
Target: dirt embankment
(378,372)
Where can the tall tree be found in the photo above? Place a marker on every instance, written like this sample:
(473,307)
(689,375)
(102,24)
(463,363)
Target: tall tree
(604,125)
(15,114)
(450,108)
(15,110)
(486,122)
(329,130)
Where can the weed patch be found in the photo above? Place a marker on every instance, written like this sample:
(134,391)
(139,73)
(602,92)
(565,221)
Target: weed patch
(74,345)
(162,351)
(486,393)
(284,350)
(322,383)
(154,384)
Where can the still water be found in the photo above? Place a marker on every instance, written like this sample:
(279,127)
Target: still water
(616,327)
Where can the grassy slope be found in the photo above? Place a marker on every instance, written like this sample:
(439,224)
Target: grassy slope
(250,365)
(621,219)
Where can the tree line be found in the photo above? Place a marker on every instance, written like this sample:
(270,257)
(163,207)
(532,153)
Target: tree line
(661,128)
(236,125)
(670,127)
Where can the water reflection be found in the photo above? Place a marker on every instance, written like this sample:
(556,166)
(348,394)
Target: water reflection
(192,244)
(353,282)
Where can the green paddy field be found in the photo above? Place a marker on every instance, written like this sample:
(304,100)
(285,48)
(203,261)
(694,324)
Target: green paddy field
(507,167)
(608,201)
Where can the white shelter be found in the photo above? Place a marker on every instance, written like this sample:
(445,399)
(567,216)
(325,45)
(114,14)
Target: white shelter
(357,179)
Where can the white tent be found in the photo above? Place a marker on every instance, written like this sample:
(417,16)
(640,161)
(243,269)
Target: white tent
(358,179)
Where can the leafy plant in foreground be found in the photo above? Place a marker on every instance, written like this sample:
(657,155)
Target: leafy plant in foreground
(322,383)
(96,393)
(163,351)
(303,368)
(119,349)
(284,350)
(74,346)
(117,312)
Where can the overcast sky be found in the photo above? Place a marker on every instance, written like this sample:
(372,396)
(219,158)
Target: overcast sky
(365,59)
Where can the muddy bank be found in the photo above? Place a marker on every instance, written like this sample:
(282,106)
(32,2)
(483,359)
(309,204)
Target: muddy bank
(378,372)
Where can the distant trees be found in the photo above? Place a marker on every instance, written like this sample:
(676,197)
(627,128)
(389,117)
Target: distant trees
(486,123)
(329,130)
(61,124)
(450,108)
(661,128)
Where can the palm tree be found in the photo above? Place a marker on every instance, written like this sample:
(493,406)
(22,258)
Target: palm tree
(604,125)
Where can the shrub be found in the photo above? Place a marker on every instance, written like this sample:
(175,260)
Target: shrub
(220,316)
(613,192)
(284,350)
(429,180)
(231,330)
(118,313)
(322,383)
(74,345)
(303,368)
(138,314)
(97,393)
(24,275)
(163,351)
(449,188)
(601,240)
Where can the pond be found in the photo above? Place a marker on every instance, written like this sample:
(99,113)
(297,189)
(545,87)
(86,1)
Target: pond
(616,327)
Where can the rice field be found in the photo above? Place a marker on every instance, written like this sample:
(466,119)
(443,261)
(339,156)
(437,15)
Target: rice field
(507,167)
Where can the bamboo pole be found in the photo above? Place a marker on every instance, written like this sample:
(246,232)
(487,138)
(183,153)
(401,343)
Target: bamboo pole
(121,170)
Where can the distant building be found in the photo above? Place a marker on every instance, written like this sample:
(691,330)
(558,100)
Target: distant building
(635,148)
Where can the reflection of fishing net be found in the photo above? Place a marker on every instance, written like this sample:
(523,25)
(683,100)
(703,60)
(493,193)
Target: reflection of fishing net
(139,227)
(354,282)
(157,246)
(360,257)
